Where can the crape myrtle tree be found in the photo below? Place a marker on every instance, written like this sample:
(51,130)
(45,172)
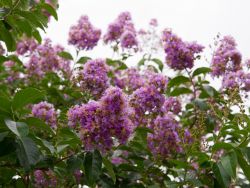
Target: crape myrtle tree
(68,120)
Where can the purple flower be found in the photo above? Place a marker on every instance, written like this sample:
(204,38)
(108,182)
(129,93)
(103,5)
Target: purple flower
(33,67)
(153,22)
(84,35)
(118,160)
(188,139)
(78,174)
(171,104)
(99,123)
(248,63)
(13,74)
(159,81)
(44,179)
(26,45)
(122,30)
(128,40)
(45,59)
(180,55)
(2,51)
(230,80)
(246,82)
(145,101)
(226,57)
(94,77)
(130,79)
(165,140)
(46,112)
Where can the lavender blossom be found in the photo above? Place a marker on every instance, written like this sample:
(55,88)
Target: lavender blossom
(180,55)
(165,140)
(99,122)
(13,74)
(171,104)
(44,179)
(122,31)
(46,112)
(226,57)
(159,81)
(84,35)
(94,77)
(2,51)
(145,101)
(26,45)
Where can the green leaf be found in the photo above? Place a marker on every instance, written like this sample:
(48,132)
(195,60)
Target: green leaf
(92,166)
(27,152)
(5,105)
(7,37)
(26,96)
(3,135)
(32,18)
(18,128)
(222,145)
(74,163)
(122,66)
(243,164)
(83,60)
(46,145)
(38,124)
(177,81)
(229,163)
(25,27)
(221,175)
(180,91)
(108,165)
(210,90)
(141,62)
(67,138)
(8,146)
(111,62)
(37,36)
(201,70)
(65,55)
(50,10)
(159,63)
(201,104)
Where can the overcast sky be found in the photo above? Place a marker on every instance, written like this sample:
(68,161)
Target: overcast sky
(197,20)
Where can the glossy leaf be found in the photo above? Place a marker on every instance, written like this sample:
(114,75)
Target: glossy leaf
(26,96)
(92,166)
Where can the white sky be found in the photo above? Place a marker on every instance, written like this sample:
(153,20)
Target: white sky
(197,20)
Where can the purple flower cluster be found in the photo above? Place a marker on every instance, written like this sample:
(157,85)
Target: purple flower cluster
(171,104)
(99,123)
(226,57)
(44,179)
(46,112)
(180,54)
(94,77)
(159,81)
(165,139)
(13,74)
(2,51)
(131,79)
(248,63)
(26,45)
(145,101)
(153,22)
(84,35)
(237,79)
(45,59)
(122,30)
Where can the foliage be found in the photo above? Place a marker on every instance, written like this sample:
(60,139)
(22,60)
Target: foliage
(66,119)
